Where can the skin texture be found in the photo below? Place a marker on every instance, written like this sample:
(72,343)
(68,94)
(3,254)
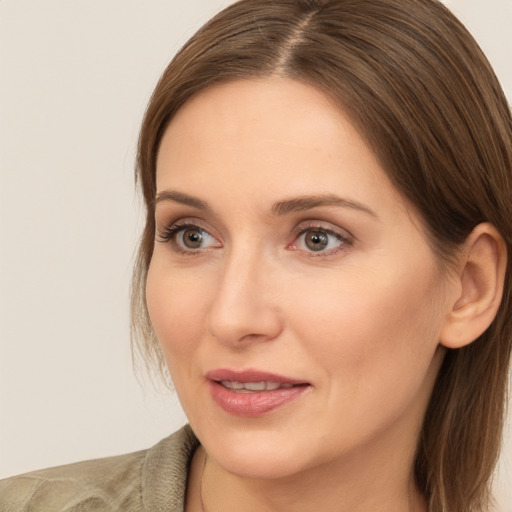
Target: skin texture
(359,321)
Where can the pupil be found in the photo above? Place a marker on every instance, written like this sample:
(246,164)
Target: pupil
(192,239)
(316,241)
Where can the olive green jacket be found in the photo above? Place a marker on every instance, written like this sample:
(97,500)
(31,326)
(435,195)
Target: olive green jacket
(151,480)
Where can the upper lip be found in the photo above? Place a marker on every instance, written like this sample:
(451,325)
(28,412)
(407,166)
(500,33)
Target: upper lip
(249,375)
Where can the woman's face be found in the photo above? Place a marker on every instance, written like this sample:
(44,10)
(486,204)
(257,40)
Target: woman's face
(293,291)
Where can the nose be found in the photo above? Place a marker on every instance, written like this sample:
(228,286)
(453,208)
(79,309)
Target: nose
(245,306)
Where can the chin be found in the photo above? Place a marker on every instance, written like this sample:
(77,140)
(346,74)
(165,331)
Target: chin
(255,454)
(257,464)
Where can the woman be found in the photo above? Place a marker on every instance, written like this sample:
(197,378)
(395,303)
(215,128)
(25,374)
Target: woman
(323,268)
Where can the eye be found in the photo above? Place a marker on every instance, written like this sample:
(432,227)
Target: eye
(316,240)
(320,240)
(192,238)
(188,238)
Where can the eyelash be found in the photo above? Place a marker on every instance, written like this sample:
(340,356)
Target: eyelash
(345,240)
(170,233)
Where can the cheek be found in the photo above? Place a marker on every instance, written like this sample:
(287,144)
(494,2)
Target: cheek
(176,305)
(374,344)
(377,325)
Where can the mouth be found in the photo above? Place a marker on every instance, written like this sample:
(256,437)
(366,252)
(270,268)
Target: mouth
(255,387)
(251,392)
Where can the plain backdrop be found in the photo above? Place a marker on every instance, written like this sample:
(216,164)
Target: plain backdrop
(75,77)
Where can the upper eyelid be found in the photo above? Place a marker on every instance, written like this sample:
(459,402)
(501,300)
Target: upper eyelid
(297,230)
(168,213)
(323,225)
(182,225)
(184,222)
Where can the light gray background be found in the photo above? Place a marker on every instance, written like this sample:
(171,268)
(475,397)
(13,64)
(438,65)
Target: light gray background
(75,76)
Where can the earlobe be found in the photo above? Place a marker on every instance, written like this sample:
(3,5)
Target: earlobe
(480,283)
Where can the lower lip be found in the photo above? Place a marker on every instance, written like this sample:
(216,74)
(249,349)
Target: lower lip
(253,403)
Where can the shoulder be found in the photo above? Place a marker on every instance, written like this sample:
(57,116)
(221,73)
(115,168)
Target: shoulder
(98,485)
(148,480)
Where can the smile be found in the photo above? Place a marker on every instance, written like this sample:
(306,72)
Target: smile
(253,393)
(252,387)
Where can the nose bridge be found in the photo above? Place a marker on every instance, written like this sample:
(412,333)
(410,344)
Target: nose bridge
(243,308)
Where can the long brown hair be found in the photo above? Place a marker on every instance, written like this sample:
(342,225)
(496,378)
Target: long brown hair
(421,92)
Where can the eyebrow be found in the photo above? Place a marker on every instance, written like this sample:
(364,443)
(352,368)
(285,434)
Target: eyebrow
(179,197)
(279,208)
(303,203)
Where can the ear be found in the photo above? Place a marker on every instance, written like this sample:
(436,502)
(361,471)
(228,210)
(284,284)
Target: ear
(479,285)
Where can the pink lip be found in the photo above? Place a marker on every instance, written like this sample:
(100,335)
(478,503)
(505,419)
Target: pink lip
(250,375)
(255,403)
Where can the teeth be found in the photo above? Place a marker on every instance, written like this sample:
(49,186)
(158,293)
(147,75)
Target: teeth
(232,385)
(254,386)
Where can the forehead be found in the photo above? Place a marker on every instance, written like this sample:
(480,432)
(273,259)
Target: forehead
(265,126)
